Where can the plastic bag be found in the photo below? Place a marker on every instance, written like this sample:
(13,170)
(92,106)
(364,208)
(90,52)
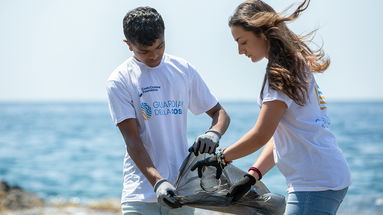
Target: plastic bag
(210,193)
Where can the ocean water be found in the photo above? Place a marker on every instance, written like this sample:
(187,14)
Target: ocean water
(73,150)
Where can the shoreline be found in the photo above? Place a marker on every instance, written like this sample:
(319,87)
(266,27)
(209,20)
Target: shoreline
(16,201)
(96,207)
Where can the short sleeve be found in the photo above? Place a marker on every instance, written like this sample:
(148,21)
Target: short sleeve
(120,102)
(272,95)
(201,99)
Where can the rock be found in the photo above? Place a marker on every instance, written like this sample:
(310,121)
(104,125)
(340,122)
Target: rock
(16,201)
(15,198)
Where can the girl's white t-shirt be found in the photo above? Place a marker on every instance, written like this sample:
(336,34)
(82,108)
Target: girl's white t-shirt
(159,98)
(305,149)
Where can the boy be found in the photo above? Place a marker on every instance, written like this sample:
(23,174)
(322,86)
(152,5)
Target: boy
(149,95)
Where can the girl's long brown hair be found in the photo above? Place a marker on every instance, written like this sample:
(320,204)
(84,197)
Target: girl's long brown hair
(288,54)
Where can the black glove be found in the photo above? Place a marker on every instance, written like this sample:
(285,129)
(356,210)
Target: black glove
(210,161)
(240,188)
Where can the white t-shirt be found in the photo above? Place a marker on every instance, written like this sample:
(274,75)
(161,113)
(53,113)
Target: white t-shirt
(305,149)
(159,98)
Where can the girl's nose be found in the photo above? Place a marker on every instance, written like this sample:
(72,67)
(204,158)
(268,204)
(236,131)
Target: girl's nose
(241,50)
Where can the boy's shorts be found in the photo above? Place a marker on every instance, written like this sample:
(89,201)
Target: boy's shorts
(153,208)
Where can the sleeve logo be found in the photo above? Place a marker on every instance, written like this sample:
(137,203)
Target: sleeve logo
(321,100)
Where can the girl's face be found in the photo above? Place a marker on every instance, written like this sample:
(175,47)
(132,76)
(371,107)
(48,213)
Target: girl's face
(254,47)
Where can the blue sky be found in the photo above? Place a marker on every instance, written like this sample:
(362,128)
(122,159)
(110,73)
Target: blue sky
(55,50)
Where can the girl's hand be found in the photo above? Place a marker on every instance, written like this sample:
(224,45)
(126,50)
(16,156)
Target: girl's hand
(239,189)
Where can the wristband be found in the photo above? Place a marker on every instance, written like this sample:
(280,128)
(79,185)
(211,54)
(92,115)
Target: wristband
(158,184)
(215,132)
(257,171)
(221,157)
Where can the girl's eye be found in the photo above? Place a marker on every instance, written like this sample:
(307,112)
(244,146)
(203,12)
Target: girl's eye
(244,43)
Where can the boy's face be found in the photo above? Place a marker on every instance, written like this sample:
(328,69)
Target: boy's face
(149,55)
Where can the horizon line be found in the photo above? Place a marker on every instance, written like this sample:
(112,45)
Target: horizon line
(3,101)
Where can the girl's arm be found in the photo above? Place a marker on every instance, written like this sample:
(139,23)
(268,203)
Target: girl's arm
(268,119)
(265,160)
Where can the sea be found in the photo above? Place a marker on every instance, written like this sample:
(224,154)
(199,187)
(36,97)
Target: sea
(72,150)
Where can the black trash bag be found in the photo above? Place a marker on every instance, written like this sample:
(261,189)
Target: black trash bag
(210,193)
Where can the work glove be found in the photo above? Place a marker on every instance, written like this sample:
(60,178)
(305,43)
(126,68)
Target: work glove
(206,143)
(165,194)
(216,161)
(239,189)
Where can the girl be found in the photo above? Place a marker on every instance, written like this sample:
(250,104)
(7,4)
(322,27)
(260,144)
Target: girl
(292,123)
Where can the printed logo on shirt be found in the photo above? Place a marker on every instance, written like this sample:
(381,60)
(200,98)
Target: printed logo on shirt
(146,111)
(161,108)
(149,89)
(321,101)
(170,107)
(324,122)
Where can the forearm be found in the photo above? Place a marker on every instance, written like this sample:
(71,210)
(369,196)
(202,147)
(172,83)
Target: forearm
(143,161)
(220,120)
(137,151)
(248,144)
(268,119)
(265,160)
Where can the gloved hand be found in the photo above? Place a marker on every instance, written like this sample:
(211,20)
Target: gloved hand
(239,189)
(165,194)
(206,143)
(214,160)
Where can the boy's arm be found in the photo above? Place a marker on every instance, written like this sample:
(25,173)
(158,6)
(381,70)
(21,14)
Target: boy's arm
(164,190)
(137,151)
(209,141)
(220,119)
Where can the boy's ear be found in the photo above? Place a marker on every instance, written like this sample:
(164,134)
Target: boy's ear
(129,45)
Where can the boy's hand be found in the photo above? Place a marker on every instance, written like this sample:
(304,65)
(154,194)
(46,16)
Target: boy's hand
(206,143)
(165,194)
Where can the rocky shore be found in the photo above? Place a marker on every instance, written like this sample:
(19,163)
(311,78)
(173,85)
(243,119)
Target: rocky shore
(15,198)
(16,201)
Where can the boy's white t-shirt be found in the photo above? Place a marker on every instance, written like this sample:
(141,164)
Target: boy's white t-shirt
(159,98)
(305,149)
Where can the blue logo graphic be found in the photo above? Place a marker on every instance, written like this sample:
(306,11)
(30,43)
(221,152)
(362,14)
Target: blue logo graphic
(324,122)
(146,111)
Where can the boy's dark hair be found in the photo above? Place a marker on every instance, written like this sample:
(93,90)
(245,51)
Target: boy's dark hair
(143,25)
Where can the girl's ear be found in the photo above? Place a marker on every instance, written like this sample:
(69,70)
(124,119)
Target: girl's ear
(129,45)
(262,36)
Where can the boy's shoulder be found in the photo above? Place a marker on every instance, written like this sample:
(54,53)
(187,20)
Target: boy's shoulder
(121,70)
(172,59)
(181,64)
(124,67)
